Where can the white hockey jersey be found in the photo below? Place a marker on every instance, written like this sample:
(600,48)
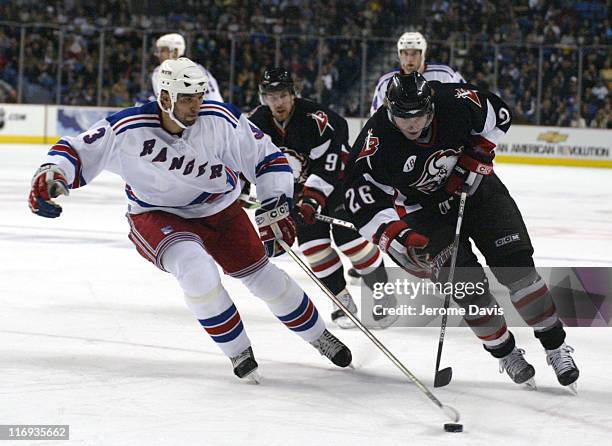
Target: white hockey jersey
(213,93)
(433,72)
(192,175)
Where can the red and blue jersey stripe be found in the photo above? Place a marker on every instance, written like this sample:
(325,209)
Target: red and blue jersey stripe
(275,162)
(64,149)
(135,117)
(222,110)
(204,197)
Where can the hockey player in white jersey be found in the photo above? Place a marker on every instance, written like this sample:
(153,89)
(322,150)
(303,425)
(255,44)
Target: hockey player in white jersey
(172,46)
(411,49)
(181,158)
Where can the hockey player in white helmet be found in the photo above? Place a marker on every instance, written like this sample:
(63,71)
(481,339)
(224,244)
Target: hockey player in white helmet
(411,49)
(172,46)
(180,158)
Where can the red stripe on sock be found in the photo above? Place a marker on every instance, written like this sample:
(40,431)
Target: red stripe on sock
(367,263)
(303,318)
(531,297)
(498,334)
(227,326)
(315,249)
(355,249)
(324,266)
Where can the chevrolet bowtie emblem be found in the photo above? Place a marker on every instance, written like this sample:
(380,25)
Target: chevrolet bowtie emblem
(552,137)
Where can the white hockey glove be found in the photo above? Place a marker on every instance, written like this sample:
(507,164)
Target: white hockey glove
(274,222)
(48,182)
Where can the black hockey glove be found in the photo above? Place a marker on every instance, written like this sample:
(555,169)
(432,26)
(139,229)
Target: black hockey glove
(312,202)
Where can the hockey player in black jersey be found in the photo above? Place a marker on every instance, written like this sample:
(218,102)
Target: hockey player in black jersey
(311,138)
(428,142)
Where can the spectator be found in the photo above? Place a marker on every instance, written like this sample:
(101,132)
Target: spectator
(469,27)
(577,121)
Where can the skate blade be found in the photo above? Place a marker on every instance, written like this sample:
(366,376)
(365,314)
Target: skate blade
(573,387)
(252,378)
(531,384)
(344,323)
(386,322)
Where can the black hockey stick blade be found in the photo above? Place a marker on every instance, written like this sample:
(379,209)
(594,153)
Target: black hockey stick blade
(443,377)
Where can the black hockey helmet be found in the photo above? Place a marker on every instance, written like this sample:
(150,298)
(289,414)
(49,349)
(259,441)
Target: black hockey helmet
(409,96)
(276,79)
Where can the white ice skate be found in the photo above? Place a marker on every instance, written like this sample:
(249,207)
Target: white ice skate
(380,311)
(338,316)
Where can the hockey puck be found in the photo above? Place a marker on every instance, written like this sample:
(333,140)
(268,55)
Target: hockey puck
(453,427)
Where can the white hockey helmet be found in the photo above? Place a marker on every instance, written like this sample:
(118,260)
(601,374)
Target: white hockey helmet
(412,41)
(178,76)
(173,42)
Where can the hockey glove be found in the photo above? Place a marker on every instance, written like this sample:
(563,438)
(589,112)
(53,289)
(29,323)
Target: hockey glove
(275,222)
(48,182)
(311,203)
(405,246)
(468,172)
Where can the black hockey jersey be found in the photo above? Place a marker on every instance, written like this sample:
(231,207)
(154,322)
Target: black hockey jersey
(311,140)
(388,175)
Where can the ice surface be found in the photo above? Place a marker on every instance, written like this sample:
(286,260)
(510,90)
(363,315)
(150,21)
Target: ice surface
(93,336)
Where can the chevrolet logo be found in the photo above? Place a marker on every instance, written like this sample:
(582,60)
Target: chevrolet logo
(552,137)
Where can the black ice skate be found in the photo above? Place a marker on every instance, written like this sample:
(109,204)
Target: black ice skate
(332,348)
(245,366)
(354,276)
(338,316)
(561,361)
(517,368)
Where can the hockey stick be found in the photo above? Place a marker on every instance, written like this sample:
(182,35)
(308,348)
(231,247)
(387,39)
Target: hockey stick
(324,218)
(444,376)
(449,411)
(334,221)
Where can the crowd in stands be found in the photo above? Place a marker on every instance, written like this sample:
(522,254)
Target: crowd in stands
(519,28)
(494,45)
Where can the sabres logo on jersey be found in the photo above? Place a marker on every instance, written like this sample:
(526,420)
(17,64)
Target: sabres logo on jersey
(436,170)
(322,121)
(370,146)
(299,164)
(462,93)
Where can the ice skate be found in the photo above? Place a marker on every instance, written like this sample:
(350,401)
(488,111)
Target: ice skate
(563,364)
(332,348)
(245,366)
(380,312)
(338,316)
(354,276)
(517,368)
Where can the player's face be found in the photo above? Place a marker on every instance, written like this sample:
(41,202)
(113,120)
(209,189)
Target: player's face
(187,107)
(411,127)
(164,53)
(280,103)
(410,60)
